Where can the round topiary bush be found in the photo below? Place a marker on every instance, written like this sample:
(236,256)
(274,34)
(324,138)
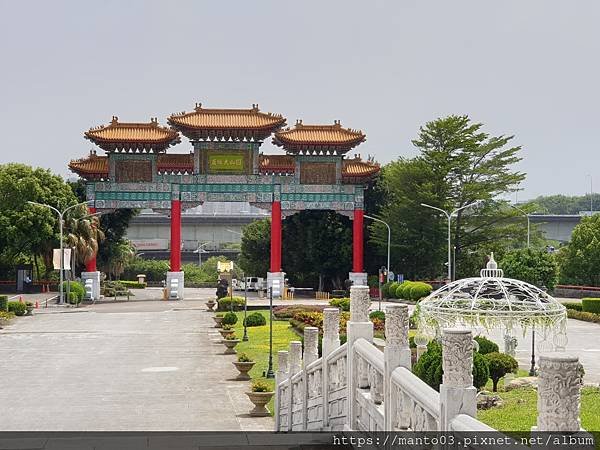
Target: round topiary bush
(429,367)
(485,345)
(255,319)
(18,308)
(402,288)
(229,319)
(74,298)
(418,290)
(392,289)
(499,365)
(74,287)
(385,289)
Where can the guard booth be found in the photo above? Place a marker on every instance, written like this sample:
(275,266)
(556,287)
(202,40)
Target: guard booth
(23,272)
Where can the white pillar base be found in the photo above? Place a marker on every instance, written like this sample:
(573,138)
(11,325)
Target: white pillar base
(358,278)
(279,276)
(95,277)
(179,276)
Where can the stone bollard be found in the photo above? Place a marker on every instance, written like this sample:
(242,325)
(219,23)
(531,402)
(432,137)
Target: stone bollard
(559,385)
(295,366)
(280,376)
(457,393)
(359,326)
(311,345)
(396,352)
(331,330)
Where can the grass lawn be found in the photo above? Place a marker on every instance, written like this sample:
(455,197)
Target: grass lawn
(257,346)
(519,412)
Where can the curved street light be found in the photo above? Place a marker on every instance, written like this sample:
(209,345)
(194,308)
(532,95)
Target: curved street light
(449,217)
(61,214)
(389,237)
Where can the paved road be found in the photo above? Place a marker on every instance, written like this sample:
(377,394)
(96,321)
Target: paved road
(126,366)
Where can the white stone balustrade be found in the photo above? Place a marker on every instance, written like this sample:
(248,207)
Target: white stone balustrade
(355,386)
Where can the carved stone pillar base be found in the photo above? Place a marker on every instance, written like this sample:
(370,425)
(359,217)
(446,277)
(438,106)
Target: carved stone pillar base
(179,276)
(95,277)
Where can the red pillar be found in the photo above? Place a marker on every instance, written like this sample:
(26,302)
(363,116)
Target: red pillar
(90,266)
(276,237)
(357,241)
(175,236)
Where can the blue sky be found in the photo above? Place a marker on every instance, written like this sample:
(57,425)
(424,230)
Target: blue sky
(531,69)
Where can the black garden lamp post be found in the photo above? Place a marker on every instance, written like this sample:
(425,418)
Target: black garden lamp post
(270,372)
(245,338)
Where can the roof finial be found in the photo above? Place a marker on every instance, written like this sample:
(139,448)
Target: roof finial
(115,119)
(491,269)
(298,122)
(198,106)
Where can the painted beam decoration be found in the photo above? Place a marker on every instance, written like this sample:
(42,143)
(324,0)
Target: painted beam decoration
(225,163)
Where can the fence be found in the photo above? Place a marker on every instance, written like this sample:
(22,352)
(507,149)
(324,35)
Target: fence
(356,386)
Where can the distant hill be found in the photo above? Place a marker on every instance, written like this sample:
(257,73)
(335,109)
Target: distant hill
(564,204)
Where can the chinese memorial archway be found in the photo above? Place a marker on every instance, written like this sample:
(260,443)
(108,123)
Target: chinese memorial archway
(226,166)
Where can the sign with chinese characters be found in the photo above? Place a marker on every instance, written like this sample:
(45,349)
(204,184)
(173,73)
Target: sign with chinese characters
(224,266)
(317,173)
(127,171)
(226,163)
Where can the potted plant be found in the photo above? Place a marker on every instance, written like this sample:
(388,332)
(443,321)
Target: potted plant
(227,330)
(230,342)
(260,395)
(29,308)
(218,320)
(211,304)
(243,364)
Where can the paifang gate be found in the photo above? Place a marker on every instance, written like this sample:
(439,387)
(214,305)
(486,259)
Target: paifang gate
(226,165)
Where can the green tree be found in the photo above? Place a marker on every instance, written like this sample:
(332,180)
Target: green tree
(500,364)
(535,266)
(122,253)
(580,259)
(29,232)
(83,234)
(255,252)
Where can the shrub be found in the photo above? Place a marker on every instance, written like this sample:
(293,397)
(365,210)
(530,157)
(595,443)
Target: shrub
(429,367)
(3,303)
(243,357)
(230,337)
(373,281)
(229,319)
(342,303)
(76,287)
(288,311)
(401,290)
(260,386)
(418,290)
(385,289)
(5,315)
(573,305)
(74,298)
(586,316)
(17,308)
(226,303)
(255,319)
(485,345)
(392,289)
(499,365)
(380,315)
(591,305)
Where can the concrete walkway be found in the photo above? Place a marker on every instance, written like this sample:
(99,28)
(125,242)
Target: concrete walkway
(135,366)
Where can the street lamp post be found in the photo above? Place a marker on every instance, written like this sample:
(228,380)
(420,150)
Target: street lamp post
(528,222)
(449,217)
(245,338)
(61,299)
(389,237)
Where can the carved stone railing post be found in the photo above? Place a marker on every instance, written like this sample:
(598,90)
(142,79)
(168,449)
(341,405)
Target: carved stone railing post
(359,326)
(295,365)
(396,352)
(457,393)
(331,341)
(331,330)
(558,390)
(280,375)
(311,354)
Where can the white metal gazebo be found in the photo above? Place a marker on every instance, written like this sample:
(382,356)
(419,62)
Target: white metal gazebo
(491,301)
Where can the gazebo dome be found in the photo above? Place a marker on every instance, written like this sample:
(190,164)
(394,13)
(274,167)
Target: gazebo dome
(491,301)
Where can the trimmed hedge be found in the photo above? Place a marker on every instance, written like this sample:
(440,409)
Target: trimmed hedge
(377,315)
(75,287)
(418,290)
(226,303)
(17,308)
(403,289)
(591,305)
(392,289)
(74,298)
(255,319)
(342,303)
(4,303)
(573,305)
(229,318)
(133,284)
(385,289)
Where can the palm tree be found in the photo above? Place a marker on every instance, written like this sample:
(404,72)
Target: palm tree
(83,235)
(122,253)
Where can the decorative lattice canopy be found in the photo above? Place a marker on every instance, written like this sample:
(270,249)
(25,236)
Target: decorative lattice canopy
(490,301)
